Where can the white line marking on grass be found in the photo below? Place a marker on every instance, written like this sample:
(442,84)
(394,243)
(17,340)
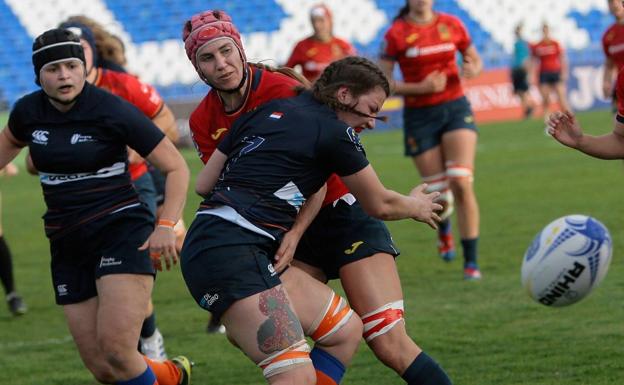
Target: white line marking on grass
(49,341)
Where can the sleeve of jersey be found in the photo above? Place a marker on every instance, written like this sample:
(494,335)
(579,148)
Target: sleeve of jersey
(619,93)
(15,123)
(293,60)
(140,133)
(605,47)
(144,97)
(340,150)
(200,135)
(388,49)
(463,41)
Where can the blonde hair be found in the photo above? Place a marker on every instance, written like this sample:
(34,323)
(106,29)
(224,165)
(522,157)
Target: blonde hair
(109,47)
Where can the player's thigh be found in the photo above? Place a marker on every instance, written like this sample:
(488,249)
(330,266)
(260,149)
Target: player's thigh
(309,296)
(123,301)
(82,323)
(371,282)
(460,147)
(263,324)
(430,162)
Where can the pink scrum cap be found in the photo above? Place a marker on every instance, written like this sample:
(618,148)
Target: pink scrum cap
(205,27)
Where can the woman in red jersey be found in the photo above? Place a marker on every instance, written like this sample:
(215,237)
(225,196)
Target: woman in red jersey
(315,52)
(368,271)
(553,70)
(613,47)
(439,128)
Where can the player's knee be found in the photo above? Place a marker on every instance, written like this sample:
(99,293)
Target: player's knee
(294,360)
(102,372)
(460,180)
(381,332)
(337,325)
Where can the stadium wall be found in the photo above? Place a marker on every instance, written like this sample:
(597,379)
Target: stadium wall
(270,28)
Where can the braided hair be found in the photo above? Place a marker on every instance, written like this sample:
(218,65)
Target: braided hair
(358,74)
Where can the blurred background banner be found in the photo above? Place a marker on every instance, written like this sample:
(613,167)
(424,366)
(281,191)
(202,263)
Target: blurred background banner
(151,31)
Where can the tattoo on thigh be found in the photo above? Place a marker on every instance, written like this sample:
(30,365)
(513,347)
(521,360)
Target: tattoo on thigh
(282,329)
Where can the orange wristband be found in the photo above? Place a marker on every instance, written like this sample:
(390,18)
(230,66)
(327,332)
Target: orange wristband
(165,223)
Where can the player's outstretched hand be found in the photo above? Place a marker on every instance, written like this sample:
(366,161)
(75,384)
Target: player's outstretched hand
(161,244)
(427,209)
(562,126)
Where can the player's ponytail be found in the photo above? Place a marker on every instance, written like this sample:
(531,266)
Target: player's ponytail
(403,11)
(358,74)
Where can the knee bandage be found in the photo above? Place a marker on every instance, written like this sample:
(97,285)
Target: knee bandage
(439,182)
(381,320)
(336,314)
(279,362)
(457,171)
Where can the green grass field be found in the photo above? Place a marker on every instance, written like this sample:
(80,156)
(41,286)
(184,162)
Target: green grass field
(482,333)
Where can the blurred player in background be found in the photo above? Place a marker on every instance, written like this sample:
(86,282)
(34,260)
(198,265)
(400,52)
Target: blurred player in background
(552,70)
(520,68)
(148,101)
(16,304)
(439,127)
(613,47)
(103,241)
(315,52)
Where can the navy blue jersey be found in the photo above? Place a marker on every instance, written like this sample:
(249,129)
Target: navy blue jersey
(280,154)
(81,154)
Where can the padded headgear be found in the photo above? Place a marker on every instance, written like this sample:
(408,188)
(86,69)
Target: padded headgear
(83,32)
(205,27)
(320,10)
(53,46)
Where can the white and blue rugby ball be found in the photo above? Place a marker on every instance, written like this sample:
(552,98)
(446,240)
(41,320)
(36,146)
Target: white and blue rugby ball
(567,260)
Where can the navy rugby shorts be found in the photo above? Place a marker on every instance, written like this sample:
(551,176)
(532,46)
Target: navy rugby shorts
(108,245)
(341,235)
(551,78)
(423,127)
(222,263)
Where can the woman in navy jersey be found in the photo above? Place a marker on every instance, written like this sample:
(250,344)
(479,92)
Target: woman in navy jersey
(256,181)
(342,241)
(103,241)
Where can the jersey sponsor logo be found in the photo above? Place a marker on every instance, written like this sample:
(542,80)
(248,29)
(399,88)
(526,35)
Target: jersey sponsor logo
(218,133)
(291,194)
(208,300)
(62,289)
(429,50)
(355,138)
(276,115)
(78,138)
(54,179)
(616,48)
(105,262)
(40,137)
(354,247)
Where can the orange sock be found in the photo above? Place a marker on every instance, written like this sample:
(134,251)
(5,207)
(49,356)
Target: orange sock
(166,372)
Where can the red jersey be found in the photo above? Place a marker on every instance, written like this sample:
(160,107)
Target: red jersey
(619,94)
(314,55)
(549,55)
(210,123)
(613,44)
(421,49)
(141,95)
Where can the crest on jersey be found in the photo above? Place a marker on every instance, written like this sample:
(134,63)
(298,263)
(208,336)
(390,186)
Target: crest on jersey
(355,138)
(276,115)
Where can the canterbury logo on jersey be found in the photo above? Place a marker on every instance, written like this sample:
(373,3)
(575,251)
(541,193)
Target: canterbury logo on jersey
(430,50)
(354,247)
(106,172)
(218,133)
(40,137)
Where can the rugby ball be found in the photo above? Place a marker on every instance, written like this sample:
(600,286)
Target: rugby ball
(566,260)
